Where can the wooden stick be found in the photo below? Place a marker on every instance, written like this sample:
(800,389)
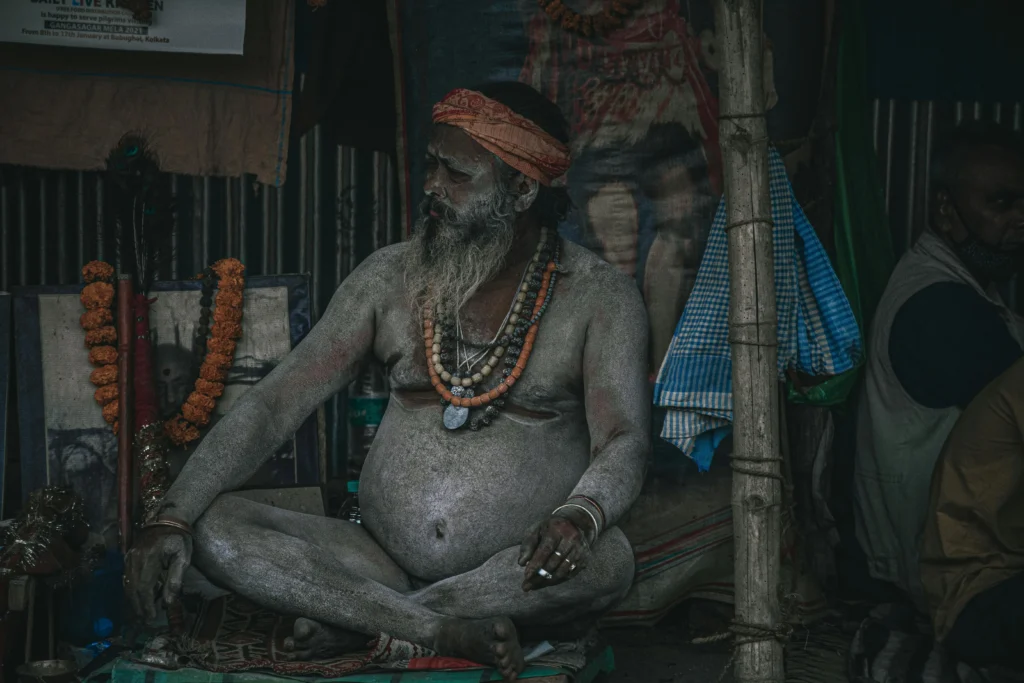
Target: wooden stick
(756,495)
(125,333)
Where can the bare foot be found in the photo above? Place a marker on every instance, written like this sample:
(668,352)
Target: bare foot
(485,641)
(312,641)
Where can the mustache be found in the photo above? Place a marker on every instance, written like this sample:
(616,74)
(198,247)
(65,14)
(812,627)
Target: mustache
(434,205)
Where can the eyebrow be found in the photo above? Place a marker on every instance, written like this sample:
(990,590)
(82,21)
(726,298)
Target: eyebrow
(447,160)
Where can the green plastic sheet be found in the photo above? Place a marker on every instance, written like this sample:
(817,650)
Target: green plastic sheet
(864,252)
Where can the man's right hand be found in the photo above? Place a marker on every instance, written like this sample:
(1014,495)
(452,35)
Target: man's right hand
(156,565)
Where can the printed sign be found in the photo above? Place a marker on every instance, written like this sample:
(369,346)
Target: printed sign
(176,26)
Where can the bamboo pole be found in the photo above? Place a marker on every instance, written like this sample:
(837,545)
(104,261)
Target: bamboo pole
(756,494)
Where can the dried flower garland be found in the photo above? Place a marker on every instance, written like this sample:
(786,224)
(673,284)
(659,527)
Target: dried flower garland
(183,428)
(100,335)
(599,25)
(101,338)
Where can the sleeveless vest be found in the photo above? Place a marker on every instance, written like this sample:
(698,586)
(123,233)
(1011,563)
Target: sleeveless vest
(898,439)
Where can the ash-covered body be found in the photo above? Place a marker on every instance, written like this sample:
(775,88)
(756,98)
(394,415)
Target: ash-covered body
(456,524)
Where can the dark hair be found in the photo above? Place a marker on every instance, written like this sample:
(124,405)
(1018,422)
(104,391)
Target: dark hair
(552,204)
(948,157)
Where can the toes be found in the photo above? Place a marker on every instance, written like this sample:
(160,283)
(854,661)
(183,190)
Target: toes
(305,629)
(508,672)
(501,629)
(298,656)
(289,644)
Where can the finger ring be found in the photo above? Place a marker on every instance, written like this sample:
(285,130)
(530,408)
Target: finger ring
(572,567)
(545,573)
(558,554)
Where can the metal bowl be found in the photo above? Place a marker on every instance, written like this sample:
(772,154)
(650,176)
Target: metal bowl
(48,671)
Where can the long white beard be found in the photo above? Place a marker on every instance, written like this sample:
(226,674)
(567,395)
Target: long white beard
(451,256)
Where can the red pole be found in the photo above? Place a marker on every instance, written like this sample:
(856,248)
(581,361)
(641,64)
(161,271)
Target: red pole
(125,334)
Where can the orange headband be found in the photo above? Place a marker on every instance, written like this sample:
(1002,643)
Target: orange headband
(517,141)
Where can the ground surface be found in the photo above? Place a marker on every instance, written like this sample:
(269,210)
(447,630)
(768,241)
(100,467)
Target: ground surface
(662,654)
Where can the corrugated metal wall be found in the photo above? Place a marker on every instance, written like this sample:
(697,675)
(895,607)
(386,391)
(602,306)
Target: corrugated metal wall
(904,136)
(338,205)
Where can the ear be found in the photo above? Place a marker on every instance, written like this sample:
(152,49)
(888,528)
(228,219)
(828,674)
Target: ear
(526,189)
(945,219)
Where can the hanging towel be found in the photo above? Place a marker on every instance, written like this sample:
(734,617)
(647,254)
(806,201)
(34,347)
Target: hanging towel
(817,331)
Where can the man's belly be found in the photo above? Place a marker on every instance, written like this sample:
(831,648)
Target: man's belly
(441,503)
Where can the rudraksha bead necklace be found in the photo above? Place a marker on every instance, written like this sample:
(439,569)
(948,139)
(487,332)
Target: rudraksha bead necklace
(515,345)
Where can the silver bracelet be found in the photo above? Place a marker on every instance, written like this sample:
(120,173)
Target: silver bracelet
(597,528)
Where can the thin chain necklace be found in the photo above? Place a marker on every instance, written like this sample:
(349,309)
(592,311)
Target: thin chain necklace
(460,342)
(442,339)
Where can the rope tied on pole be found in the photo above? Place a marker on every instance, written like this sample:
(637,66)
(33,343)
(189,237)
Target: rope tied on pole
(733,459)
(750,221)
(743,633)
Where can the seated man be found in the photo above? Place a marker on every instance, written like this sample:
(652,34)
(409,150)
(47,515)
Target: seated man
(516,436)
(972,555)
(939,336)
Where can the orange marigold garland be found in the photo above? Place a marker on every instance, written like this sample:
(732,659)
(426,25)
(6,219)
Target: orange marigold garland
(97,297)
(97,271)
(224,347)
(179,430)
(106,394)
(101,335)
(101,338)
(103,355)
(600,25)
(104,376)
(227,315)
(211,389)
(92,320)
(110,411)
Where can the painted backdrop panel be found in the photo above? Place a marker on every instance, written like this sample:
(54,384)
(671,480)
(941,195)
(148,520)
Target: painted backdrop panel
(64,439)
(642,106)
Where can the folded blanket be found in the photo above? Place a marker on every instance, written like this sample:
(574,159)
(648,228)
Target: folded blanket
(817,332)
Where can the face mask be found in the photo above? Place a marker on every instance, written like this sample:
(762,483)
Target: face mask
(985,261)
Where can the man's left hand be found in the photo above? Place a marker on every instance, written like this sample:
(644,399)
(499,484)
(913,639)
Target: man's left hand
(553,552)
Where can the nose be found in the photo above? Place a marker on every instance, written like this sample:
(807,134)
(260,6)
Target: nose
(433,183)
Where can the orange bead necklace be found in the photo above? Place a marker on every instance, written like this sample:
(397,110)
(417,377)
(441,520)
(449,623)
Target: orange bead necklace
(515,346)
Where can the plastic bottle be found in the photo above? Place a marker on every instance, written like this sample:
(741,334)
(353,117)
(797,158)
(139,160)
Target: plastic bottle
(352,513)
(367,403)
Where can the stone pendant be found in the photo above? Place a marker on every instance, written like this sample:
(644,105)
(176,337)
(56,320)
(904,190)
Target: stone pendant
(456,417)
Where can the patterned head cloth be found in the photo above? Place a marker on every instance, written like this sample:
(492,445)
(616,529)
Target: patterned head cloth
(520,143)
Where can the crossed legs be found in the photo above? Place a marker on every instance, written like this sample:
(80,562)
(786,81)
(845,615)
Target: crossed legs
(334,573)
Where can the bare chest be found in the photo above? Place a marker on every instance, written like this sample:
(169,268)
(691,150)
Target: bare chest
(551,381)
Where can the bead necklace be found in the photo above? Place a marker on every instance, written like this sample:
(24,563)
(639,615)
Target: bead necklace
(470,360)
(515,346)
(446,336)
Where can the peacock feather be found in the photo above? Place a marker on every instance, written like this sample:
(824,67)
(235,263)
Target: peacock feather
(143,208)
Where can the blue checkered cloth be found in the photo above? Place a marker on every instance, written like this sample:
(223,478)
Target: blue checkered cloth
(818,333)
